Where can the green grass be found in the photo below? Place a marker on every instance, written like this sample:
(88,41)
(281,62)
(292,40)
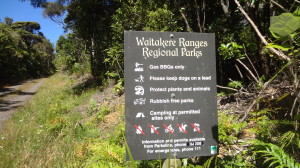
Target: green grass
(50,131)
(46,132)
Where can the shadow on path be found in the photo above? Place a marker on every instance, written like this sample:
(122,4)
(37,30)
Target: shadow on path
(13,97)
(9,105)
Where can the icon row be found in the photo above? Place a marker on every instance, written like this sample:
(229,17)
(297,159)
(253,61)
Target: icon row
(139,90)
(182,128)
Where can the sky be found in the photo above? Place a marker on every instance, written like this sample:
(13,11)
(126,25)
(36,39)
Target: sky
(23,11)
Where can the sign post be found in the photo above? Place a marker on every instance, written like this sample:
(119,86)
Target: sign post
(170,95)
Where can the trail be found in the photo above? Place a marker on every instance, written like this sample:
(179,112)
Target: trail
(12,97)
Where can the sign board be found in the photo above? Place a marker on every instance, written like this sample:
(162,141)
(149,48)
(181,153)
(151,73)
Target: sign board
(170,95)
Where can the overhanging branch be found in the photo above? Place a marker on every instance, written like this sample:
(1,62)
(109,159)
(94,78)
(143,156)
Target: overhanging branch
(278,5)
(279,54)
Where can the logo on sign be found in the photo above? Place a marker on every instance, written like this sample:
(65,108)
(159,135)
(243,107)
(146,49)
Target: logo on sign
(213,150)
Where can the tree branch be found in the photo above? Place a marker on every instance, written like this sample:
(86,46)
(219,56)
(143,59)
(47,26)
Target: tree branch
(273,50)
(204,15)
(185,20)
(198,16)
(253,76)
(250,61)
(278,5)
(228,88)
(248,110)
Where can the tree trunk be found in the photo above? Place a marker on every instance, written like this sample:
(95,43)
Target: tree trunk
(225,6)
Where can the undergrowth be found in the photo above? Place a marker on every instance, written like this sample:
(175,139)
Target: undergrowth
(61,128)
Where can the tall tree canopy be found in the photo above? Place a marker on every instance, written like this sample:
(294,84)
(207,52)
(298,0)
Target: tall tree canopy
(100,24)
(24,51)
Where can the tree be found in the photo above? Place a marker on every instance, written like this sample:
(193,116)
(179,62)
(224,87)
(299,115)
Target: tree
(91,20)
(24,51)
(32,27)
(54,11)
(36,3)
(8,21)
(71,54)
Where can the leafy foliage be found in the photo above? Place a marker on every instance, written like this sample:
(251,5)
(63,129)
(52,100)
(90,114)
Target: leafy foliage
(290,138)
(231,51)
(161,19)
(285,24)
(275,155)
(24,51)
(235,84)
(229,128)
(106,154)
(71,55)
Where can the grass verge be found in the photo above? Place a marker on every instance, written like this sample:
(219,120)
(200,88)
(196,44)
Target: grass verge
(46,131)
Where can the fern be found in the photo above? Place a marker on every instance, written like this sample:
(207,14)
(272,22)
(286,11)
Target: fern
(276,155)
(290,138)
(235,84)
(209,162)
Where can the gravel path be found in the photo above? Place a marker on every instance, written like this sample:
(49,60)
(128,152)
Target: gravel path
(12,97)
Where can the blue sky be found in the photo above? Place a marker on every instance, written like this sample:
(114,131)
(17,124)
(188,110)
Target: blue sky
(23,11)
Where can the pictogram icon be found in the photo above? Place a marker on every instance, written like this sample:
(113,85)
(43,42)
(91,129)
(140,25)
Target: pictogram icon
(138,67)
(196,127)
(139,90)
(182,128)
(140,115)
(140,101)
(169,129)
(139,130)
(154,129)
(139,79)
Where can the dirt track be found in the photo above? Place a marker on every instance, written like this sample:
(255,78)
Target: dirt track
(12,97)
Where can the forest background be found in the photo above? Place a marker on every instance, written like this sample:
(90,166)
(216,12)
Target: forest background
(257,57)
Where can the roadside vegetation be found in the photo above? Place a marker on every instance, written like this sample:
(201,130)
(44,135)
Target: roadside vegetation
(77,118)
(24,51)
(60,128)
(70,125)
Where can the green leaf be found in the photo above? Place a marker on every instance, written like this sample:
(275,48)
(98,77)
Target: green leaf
(274,162)
(282,97)
(223,45)
(284,24)
(235,84)
(279,37)
(284,47)
(297,11)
